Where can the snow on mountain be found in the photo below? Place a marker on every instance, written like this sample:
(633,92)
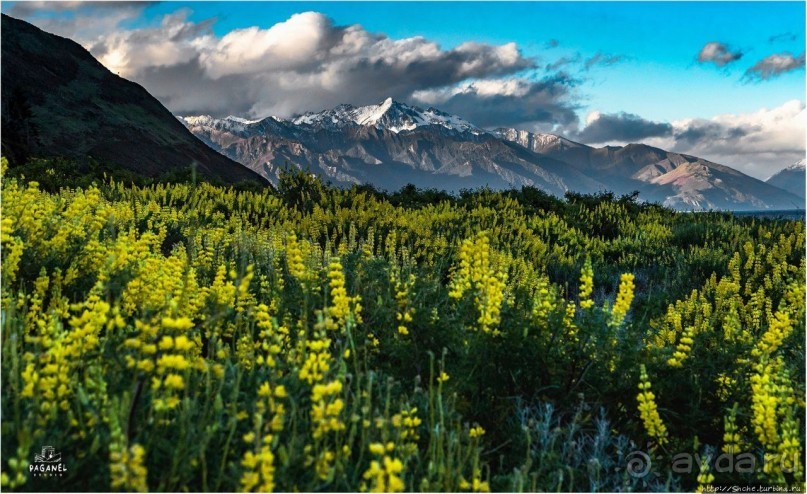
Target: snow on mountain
(799,165)
(389,115)
(231,123)
(790,178)
(540,143)
(794,167)
(428,146)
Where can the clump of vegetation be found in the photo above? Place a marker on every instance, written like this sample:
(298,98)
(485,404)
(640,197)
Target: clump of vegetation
(181,336)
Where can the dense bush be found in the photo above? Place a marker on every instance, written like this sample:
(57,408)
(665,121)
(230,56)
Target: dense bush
(192,337)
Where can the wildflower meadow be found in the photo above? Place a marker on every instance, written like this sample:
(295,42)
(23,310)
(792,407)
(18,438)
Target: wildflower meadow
(191,337)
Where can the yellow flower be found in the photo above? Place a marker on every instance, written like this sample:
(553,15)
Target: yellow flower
(477,431)
(779,329)
(705,477)
(586,285)
(259,470)
(294,258)
(623,299)
(683,349)
(280,391)
(177,362)
(384,476)
(166,343)
(648,410)
(339,299)
(731,437)
(182,343)
(765,402)
(475,273)
(174,381)
(126,468)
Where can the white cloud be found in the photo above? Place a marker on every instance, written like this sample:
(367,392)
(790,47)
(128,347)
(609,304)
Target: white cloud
(757,143)
(303,63)
(593,117)
(287,45)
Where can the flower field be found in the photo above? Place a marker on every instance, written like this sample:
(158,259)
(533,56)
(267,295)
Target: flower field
(175,337)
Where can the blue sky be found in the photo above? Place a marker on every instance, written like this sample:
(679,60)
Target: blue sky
(681,75)
(660,78)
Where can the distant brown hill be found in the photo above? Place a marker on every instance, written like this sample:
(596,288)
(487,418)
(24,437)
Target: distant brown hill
(676,180)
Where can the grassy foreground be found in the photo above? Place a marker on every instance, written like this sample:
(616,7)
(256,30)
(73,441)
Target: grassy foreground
(192,337)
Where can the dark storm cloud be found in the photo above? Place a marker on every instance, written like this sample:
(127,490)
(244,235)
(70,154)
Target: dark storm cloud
(622,127)
(171,83)
(773,66)
(719,54)
(512,103)
(699,131)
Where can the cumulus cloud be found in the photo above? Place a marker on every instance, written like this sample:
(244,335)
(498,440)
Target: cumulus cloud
(620,127)
(303,63)
(756,143)
(545,105)
(719,54)
(774,66)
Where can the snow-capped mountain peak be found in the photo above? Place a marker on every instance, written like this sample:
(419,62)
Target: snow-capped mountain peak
(799,165)
(370,115)
(389,115)
(241,120)
(790,178)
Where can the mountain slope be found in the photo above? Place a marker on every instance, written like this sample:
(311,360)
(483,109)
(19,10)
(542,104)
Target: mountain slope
(676,180)
(791,179)
(392,144)
(57,100)
(388,145)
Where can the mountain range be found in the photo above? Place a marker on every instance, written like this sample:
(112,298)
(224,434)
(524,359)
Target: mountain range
(392,144)
(59,101)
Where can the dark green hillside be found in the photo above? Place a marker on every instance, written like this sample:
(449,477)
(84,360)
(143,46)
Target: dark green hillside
(58,101)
